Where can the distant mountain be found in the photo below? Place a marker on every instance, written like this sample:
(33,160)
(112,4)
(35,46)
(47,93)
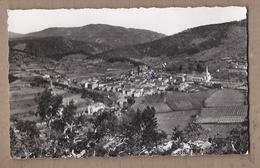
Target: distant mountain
(54,47)
(114,36)
(15,35)
(206,44)
(72,50)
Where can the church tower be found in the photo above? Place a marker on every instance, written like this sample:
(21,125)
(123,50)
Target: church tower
(208,76)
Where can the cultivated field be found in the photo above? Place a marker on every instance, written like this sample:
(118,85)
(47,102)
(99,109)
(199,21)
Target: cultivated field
(167,121)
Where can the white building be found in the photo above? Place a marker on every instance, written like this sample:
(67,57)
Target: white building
(46,76)
(204,77)
(183,86)
(95,108)
(86,84)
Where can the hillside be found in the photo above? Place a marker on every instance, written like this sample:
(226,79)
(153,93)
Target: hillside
(191,49)
(114,36)
(206,44)
(14,35)
(54,47)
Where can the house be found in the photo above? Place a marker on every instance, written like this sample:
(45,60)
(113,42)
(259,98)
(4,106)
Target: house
(101,85)
(122,102)
(180,78)
(115,88)
(138,92)
(46,76)
(109,88)
(95,108)
(183,86)
(162,88)
(86,85)
(94,86)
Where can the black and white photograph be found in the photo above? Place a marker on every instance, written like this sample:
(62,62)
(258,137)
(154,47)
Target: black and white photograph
(128,82)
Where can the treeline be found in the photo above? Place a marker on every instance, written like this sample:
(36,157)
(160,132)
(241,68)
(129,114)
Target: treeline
(123,59)
(188,67)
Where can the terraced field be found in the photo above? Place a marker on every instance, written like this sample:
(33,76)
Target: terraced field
(23,102)
(226,97)
(175,109)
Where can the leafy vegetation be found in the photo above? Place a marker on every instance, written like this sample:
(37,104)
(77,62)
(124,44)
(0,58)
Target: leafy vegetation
(60,132)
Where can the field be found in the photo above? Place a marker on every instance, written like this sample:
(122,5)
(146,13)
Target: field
(226,97)
(81,103)
(23,99)
(167,121)
(175,109)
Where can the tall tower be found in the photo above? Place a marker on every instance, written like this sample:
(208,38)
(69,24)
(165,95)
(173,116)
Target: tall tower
(208,76)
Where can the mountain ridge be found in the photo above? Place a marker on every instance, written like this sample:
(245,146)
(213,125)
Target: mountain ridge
(115,36)
(181,52)
(204,43)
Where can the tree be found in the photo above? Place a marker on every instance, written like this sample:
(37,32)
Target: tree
(66,118)
(149,127)
(177,134)
(193,131)
(48,105)
(239,139)
(69,111)
(56,105)
(105,123)
(27,146)
(133,132)
(190,67)
(200,67)
(180,68)
(44,104)
(130,101)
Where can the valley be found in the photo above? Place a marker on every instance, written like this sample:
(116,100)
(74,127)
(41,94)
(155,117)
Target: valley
(193,80)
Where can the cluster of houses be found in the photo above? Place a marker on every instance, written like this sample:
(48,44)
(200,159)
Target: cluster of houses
(236,66)
(131,84)
(142,82)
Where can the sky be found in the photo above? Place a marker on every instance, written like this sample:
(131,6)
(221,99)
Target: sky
(163,20)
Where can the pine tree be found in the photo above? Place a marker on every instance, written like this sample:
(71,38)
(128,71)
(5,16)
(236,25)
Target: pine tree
(44,104)
(149,127)
(48,105)
(68,112)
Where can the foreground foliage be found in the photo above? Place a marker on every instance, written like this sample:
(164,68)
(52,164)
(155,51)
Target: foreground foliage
(61,133)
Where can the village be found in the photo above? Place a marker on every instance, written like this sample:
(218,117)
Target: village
(120,88)
(177,98)
(141,81)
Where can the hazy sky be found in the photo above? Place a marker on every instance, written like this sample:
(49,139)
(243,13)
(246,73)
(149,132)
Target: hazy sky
(162,20)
